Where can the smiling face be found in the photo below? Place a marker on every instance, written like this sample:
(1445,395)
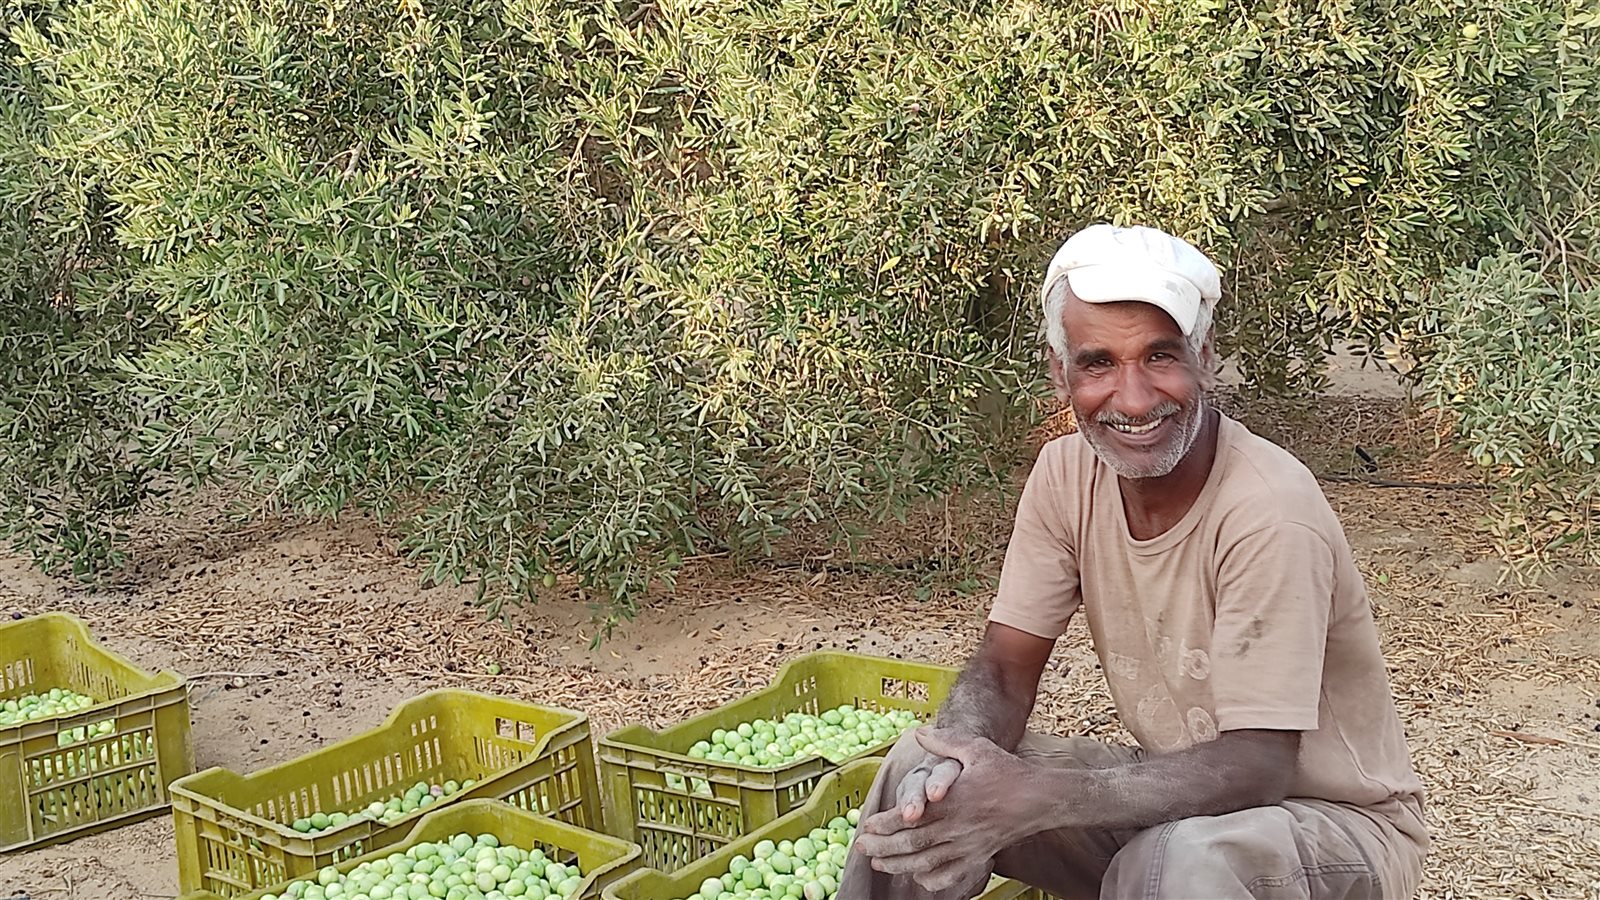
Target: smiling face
(1135,384)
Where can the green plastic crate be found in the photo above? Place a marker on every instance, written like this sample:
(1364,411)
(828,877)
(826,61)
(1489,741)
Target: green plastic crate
(51,793)
(716,802)
(602,859)
(835,794)
(234,834)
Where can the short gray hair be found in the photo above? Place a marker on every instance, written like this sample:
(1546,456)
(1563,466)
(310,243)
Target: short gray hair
(1055,330)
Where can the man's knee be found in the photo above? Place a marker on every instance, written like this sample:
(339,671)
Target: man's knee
(1184,853)
(907,751)
(1263,852)
(1249,836)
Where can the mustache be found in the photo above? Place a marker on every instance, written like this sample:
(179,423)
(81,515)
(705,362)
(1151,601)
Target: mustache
(1115,418)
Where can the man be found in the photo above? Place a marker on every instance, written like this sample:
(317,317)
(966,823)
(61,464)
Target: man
(1231,624)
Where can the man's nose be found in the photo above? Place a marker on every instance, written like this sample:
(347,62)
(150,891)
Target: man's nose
(1135,397)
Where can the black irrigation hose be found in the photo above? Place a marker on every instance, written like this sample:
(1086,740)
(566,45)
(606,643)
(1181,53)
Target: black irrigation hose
(1389,483)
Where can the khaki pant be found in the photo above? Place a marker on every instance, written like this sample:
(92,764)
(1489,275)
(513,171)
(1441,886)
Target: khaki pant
(1298,849)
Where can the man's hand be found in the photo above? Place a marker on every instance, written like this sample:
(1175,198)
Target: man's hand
(928,783)
(981,815)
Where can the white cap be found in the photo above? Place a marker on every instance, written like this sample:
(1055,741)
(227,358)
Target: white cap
(1105,263)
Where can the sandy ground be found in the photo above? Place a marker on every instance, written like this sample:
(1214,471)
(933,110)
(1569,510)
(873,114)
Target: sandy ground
(300,633)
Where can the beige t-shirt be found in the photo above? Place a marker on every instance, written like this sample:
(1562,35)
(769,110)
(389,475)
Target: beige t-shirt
(1249,613)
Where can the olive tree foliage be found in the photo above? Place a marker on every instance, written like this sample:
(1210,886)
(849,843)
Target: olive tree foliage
(1520,373)
(1509,344)
(65,421)
(586,287)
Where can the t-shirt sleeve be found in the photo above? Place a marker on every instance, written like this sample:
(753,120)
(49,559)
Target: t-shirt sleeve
(1274,597)
(1039,579)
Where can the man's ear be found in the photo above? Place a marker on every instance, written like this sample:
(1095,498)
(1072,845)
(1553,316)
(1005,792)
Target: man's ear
(1058,375)
(1210,365)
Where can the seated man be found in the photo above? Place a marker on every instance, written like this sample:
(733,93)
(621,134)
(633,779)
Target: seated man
(1230,621)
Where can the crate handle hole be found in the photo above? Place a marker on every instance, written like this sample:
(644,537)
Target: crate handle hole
(911,690)
(515,730)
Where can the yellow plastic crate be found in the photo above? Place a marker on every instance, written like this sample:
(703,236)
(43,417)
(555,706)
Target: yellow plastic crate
(601,858)
(234,834)
(51,793)
(712,803)
(835,794)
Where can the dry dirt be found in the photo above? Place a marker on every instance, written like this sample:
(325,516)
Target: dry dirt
(296,634)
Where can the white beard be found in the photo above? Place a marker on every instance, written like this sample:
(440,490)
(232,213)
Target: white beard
(1188,431)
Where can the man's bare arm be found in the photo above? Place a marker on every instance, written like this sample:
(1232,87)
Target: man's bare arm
(1238,770)
(991,699)
(996,691)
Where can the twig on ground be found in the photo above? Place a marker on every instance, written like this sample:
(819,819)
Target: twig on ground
(1529,807)
(1527,738)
